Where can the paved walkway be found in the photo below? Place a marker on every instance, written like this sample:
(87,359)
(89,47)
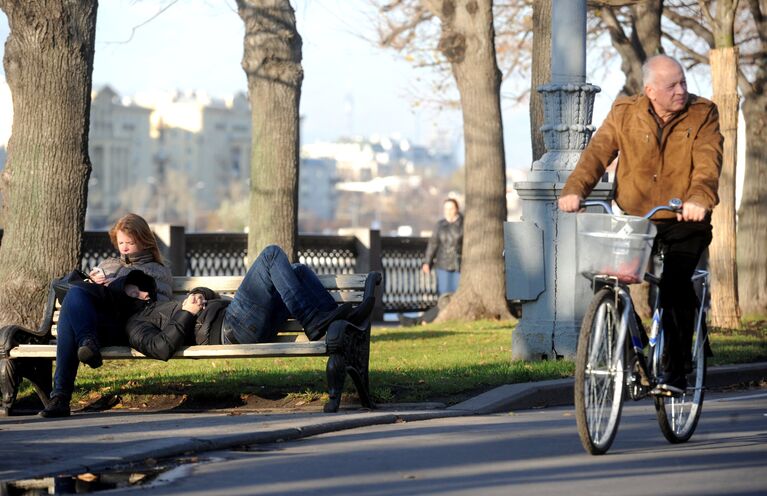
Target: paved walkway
(92,442)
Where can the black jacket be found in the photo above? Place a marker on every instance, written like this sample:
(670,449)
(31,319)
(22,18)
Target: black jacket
(161,328)
(119,306)
(445,245)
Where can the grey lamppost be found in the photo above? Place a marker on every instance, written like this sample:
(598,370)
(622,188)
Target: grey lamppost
(540,251)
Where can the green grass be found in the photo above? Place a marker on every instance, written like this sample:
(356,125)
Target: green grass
(437,362)
(744,345)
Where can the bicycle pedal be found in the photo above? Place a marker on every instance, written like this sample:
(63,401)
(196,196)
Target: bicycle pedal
(657,391)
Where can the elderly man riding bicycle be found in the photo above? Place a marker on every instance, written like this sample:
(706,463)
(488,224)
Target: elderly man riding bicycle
(668,145)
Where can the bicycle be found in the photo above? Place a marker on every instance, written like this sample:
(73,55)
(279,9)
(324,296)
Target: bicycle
(608,366)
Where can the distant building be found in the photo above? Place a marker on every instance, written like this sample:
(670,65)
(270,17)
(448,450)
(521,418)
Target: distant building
(384,181)
(356,160)
(361,159)
(317,195)
(226,138)
(120,150)
(206,140)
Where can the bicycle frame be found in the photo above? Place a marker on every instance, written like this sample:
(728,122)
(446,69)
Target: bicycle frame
(647,378)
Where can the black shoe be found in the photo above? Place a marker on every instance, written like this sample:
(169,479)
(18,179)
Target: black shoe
(58,407)
(318,326)
(89,354)
(362,311)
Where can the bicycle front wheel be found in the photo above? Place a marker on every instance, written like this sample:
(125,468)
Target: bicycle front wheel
(599,374)
(678,415)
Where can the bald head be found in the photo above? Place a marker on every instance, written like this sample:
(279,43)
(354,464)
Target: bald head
(659,63)
(665,85)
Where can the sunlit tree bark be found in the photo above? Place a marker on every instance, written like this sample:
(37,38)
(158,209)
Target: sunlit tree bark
(467,41)
(272,63)
(725,309)
(48,65)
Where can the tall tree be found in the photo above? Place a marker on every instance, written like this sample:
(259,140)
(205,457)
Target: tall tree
(752,221)
(467,41)
(464,34)
(48,65)
(643,18)
(725,309)
(695,30)
(272,63)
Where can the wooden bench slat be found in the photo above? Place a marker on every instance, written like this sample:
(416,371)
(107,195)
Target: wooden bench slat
(343,281)
(291,326)
(306,348)
(222,284)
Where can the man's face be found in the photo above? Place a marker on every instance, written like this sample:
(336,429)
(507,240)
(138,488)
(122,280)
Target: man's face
(134,292)
(667,90)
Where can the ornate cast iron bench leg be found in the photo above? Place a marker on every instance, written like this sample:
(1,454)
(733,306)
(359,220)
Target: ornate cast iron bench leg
(37,371)
(357,353)
(349,348)
(336,367)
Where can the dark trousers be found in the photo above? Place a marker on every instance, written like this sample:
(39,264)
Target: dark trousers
(83,315)
(683,244)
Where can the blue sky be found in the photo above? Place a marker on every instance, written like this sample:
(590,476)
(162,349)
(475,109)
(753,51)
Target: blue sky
(350,86)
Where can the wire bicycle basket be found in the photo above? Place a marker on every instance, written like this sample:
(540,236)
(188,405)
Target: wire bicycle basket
(614,245)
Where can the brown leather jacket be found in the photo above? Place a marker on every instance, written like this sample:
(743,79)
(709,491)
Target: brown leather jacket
(681,160)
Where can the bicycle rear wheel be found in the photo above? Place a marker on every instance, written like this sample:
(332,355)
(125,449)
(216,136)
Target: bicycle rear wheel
(678,415)
(599,375)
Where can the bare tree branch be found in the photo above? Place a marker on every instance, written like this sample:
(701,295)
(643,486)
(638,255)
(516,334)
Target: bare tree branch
(759,19)
(746,87)
(689,52)
(136,27)
(691,24)
(706,12)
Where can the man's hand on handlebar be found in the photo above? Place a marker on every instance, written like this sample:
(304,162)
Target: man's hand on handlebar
(691,212)
(570,203)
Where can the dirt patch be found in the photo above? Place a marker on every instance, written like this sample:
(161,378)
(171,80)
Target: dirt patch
(200,403)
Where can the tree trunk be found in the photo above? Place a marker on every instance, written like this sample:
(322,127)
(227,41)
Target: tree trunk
(468,42)
(642,42)
(48,64)
(752,221)
(272,63)
(725,311)
(541,71)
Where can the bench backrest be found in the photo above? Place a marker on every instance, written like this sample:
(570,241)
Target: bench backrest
(343,287)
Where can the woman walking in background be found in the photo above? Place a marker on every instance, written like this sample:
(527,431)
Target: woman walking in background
(443,252)
(443,255)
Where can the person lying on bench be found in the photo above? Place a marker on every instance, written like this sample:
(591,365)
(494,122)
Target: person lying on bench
(271,291)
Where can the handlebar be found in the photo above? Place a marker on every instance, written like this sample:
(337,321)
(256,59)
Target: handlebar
(674,205)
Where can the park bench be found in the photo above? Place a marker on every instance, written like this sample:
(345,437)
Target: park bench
(30,354)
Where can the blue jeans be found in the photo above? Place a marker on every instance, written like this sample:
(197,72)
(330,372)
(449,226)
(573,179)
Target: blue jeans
(447,281)
(82,316)
(272,291)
